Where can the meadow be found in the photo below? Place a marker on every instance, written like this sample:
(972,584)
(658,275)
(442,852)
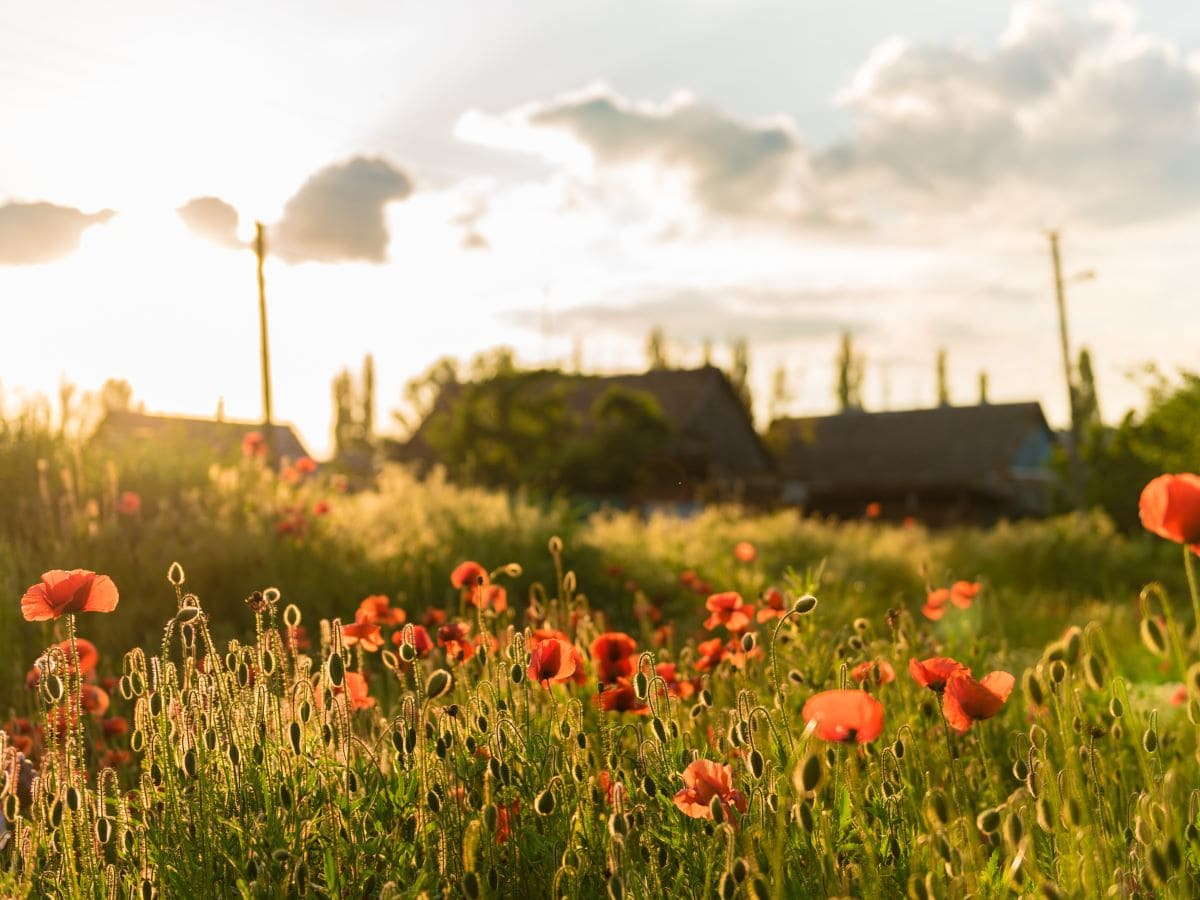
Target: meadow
(263,684)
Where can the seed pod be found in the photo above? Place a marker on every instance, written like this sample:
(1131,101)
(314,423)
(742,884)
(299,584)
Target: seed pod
(805,605)
(1154,636)
(937,809)
(726,887)
(544,802)
(335,669)
(439,683)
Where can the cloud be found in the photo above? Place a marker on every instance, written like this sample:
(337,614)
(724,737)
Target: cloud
(212,219)
(40,232)
(1079,116)
(726,167)
(337,215)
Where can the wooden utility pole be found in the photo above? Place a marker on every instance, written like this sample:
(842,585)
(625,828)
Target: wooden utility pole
(260,251)
(1075,461)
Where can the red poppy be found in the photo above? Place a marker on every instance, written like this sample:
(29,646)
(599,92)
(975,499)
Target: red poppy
(306,465)
(363,633)
(297,638)
(612,653)
(728,609)
(935,604)
(774,606)
(115,727)
(421,641)
(845,715)
(745,552)
(704,780)
(434,617)
(874,509)
(504,813)
(909,522)
(552,662)
(468,574)
(495,597)
(877,671)
(1170,507)
(688,577)
(129,503)
(321,508)
(453,638)
(378,610)
(115,759)
(1179,695)
(94,699)
(290,474)
(355,690)
(934,672)
(78,590)
(89,658)
(668,672)
(963,592)
(967,700)
(620,697)
(548,634)
(663,634)
(253,444)
(612,789)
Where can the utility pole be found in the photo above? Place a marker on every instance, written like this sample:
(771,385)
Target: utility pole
(1074,460)
(260,251)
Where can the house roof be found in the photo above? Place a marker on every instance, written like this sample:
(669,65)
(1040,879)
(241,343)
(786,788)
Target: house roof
(946,446)
(222,439)
(690,400)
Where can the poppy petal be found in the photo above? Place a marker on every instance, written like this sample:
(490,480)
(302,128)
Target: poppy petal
(102,597)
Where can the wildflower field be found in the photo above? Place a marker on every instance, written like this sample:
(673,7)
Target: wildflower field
(258,685)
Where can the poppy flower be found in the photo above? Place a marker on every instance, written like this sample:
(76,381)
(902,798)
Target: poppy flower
(421,641)
(89,658)
(355,690)
(703,780)
(454,639)
(963,592)
(844,715)
(321,508)
(612,653)
(552,662)
(117,726)
(967,700)
(494,597)
(129,503)
(468,574)
(253,444)
(668,672)
(306,465)
(1179,696)
(773,606)
(611,788)
(934,672)
(909,522)
(115,759)
(93,699)
(935,604)
(745,552)
(297,638)
(663,634)
(378,610)
(728,609)
(688,577)
(876,671)
(620,697)
(78,590)
(364,633)
(504,813)
(434,617)
(874,509)
(548,634)
(1170,507)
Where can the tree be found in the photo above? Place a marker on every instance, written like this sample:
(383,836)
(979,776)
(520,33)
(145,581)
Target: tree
(368,398)
(983,388)
(781,394)
(421,393)
(343,413)
(943,384)
(656,350)
(739,373)
(623,450)
(849,381)
(116,395)
(1087,402)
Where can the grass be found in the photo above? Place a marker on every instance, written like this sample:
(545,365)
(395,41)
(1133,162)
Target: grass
(256,765)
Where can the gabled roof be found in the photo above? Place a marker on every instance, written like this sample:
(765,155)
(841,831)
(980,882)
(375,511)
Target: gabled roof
(223,439)
(689,399)
(946,446)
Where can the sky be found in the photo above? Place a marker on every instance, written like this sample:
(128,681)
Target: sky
(562,177)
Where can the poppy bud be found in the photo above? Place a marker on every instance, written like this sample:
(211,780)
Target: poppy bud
(188,614)
(988,821)
(517,673)
(335,668)
(806,816)
(234,754)
(52,688)
(1014,829)
(898,748)
(649,787)
(156,774)
(175,574)
(795,676)
(1150,740)
(1153,636)
(705,697)
(808,774)
(1020,769)
(434,802)
(717,810)
(268,662)
(805,605)
(74,799)
(438,684)
(616,891)
(1037,736)
(749,639)
(660,730)
(1058,672)
(581,741)
(125,687)
(726,887)
(544,802)
(147,890)
(104,829)
(294,737)
(471,885)
(1115,708)
(757,764)
(641,685)
(1158,865)
(1193,711)
(285,796)
(937,810)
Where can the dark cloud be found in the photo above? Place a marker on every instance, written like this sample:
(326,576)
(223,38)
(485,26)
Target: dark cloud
(337,215)
(41,232)
(213,219)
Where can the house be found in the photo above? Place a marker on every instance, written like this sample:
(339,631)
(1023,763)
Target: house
(949,464)
(714,451)
(216,440)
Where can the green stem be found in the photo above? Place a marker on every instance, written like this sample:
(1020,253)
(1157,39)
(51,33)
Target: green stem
(1189,566)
